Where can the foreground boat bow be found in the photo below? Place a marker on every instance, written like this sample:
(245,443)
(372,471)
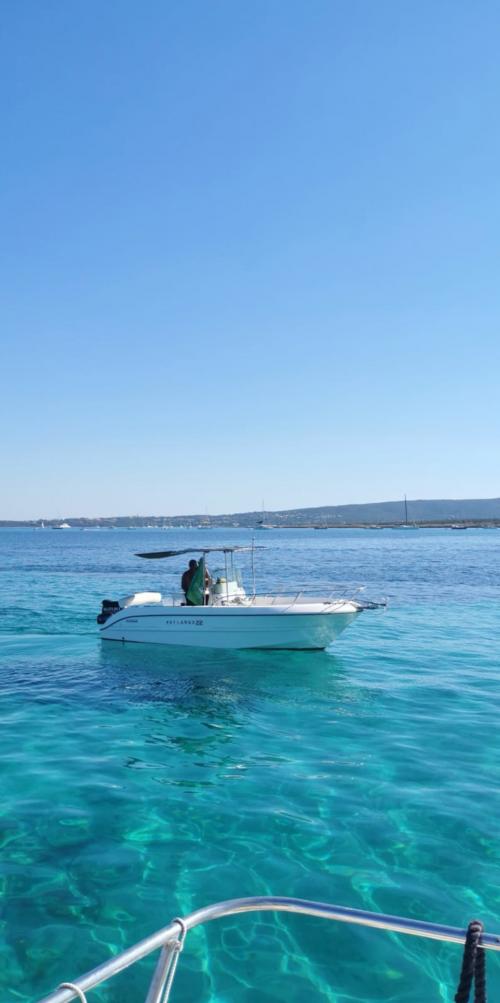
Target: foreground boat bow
(170,940)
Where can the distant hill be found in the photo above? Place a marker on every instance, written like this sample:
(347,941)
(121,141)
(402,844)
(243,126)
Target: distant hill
(372,513)
(444,510)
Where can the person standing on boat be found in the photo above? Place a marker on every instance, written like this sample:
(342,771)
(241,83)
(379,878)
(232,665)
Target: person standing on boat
(187,578)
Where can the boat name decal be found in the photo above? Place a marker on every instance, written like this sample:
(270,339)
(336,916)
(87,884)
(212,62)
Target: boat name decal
(182,622)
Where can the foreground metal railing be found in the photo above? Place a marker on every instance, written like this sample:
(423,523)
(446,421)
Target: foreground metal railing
(171,938)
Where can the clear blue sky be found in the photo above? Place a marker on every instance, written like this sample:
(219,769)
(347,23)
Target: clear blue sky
(249,250)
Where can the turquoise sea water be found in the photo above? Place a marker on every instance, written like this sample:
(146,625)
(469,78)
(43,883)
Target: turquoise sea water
(139,783)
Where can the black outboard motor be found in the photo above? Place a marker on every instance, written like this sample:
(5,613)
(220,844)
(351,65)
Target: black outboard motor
(109,606)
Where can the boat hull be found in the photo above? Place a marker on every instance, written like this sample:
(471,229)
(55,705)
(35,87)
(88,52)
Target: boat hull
(229,627)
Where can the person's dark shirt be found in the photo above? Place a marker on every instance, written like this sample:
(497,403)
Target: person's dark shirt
(187,578)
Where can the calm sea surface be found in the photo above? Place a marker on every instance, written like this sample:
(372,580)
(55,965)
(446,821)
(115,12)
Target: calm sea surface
(138,783)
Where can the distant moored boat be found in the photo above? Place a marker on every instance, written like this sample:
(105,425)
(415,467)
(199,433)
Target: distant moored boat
(406,524)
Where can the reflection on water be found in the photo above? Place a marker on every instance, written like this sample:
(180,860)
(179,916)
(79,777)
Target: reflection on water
(237,672)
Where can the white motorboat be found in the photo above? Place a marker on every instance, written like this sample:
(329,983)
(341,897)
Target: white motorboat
(220,614)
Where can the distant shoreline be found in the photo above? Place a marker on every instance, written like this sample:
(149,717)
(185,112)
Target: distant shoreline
(421,513)
(164,524)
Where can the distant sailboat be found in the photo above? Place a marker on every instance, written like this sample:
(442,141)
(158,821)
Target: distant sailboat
(406,524)
(261,523)
(205,522)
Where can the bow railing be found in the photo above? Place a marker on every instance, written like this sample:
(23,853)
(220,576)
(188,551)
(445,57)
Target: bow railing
(170,940)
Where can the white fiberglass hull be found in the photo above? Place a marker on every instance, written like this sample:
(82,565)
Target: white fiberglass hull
(308,626)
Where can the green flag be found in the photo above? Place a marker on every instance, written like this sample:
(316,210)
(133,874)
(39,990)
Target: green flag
(196,591)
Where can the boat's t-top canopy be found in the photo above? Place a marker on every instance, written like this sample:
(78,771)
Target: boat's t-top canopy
(157,554)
